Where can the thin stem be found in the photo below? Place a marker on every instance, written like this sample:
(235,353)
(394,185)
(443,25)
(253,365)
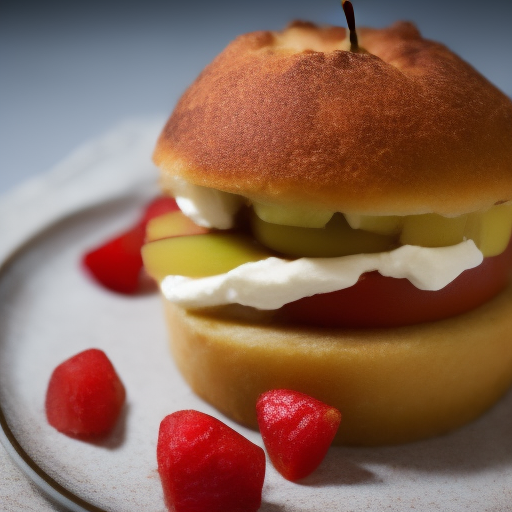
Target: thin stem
(348,9)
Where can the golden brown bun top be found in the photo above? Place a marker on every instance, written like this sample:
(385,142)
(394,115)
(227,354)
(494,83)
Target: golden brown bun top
(292,117)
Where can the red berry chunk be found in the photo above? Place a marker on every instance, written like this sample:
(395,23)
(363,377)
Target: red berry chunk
(205,466)
(297,431)
(85,395)
(117,264)
(159,206)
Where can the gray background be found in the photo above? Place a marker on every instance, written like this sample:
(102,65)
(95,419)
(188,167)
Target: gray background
(71,70)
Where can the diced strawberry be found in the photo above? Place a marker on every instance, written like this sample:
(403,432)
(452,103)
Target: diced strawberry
(117,264)
(159,206)
(85,395)
(297,431)
(206,466)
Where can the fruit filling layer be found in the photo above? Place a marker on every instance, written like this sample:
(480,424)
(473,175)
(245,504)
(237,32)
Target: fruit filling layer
(313,265)
(295,230)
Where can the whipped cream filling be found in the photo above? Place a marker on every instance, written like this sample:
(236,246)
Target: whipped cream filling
(207,207)
(269,284)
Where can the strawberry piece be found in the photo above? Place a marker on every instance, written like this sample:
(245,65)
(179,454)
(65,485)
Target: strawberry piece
(117,264)
(85,395)
(159,206)
(205,465)
(297,431)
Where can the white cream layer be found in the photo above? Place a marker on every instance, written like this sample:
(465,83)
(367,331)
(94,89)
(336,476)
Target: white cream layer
(207,207)
(273,282)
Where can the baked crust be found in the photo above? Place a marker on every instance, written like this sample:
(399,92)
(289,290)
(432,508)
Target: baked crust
(406,128)
(391,385)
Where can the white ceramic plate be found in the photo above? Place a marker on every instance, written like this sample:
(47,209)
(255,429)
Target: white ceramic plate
(49,310)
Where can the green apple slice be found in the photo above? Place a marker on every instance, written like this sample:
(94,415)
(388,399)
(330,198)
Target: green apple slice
(336,239)
(200,255)
(292,215)
(491,229)
(433,230)
(383,225)
(172,224)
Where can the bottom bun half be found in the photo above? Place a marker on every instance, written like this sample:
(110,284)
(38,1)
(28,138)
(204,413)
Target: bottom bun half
(391,385)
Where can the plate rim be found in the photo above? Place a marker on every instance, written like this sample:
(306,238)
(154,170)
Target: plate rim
(128,137)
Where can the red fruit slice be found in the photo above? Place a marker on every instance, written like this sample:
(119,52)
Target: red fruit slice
(85,395)
(297,431)
(117,264)
(206,466)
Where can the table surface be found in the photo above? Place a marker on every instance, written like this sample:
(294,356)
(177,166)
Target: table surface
(70,72)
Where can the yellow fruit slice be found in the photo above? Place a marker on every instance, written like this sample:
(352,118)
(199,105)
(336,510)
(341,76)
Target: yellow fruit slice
(383,225)
(200,255)
(491,229)
(336,239)
(172,224)
(292,215)
(433,230)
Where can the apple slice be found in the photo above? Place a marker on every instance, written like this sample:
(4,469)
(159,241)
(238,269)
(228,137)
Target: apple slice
(170,225)
(433,230)
(200,255)
(289,215)
(336,239)
(380,224)
(490,230)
